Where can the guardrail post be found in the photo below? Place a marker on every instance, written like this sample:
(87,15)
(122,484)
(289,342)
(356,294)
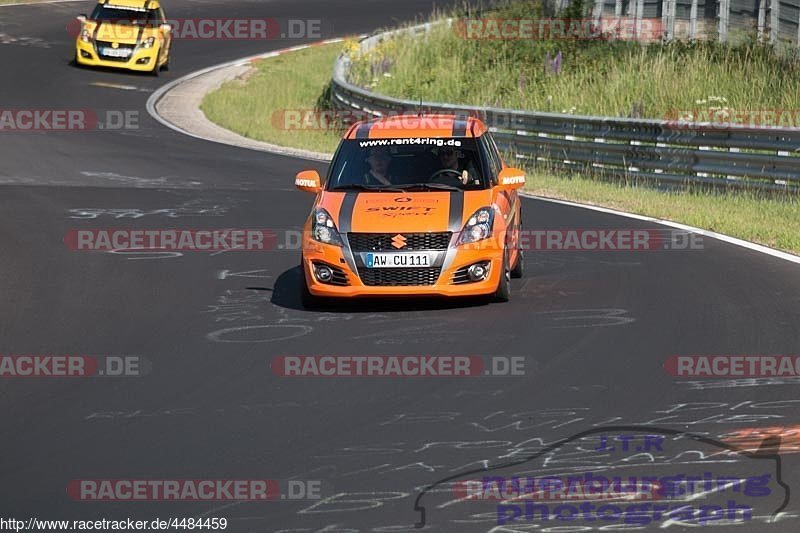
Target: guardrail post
(774,21)
(798,34)
(639,16)
(693,21)
(668,19)
(724,17)
(598,11)
(762,19)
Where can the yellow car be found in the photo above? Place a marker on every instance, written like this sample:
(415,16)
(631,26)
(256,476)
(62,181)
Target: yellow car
(128,34)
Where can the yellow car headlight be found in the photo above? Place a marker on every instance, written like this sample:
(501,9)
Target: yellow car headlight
(148,43)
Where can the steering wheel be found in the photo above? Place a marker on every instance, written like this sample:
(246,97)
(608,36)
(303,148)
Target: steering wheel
(439,174)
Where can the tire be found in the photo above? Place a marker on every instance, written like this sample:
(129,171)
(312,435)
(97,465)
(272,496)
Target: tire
(165,66)
(156,68)
(503,292)
(519,269)
(308,300)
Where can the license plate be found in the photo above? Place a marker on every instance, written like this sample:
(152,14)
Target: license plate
(397,260)
(115,52)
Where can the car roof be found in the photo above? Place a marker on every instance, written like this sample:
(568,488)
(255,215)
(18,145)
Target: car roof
(421,125)
(140,4)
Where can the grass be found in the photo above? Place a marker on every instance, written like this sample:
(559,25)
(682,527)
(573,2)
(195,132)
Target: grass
(265,105)
(299,80)
(595,77)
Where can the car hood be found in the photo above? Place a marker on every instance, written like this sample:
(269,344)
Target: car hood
(118,33)
(415,212)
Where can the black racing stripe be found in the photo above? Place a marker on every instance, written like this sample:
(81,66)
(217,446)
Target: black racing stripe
(346,212)
(139,37)
(460,126)
(141,29)
(456,211)
(363,130)
(96,31)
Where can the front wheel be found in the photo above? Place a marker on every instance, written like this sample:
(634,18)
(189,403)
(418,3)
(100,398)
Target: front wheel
(156,68)
(307,300)
(503,292)
(165,67)
(519,267)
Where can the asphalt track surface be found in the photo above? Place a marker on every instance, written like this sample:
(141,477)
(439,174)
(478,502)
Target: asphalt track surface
(594,328)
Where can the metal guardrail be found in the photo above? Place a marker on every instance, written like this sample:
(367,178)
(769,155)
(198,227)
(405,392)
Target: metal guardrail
(665,151)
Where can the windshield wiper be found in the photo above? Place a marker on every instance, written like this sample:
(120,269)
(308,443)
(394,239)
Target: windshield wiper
(360,187)
(430,186)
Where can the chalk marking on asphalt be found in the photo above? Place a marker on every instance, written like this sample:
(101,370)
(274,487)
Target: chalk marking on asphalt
(121,86)
(42,3)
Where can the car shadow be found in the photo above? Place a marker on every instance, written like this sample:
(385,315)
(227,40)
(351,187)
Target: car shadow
(122,72)
(286,293)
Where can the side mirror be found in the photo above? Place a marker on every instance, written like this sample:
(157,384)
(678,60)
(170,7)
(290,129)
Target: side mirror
(308,181)
(166,28)
(81,18)
(511,178)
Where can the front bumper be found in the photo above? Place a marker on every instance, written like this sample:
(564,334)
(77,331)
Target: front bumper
(142,59)
(444,285)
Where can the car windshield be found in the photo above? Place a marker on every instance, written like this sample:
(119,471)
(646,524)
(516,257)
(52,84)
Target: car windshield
(124,15)
(408,164)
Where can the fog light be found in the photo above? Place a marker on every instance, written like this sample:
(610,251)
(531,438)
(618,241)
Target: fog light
(323,273)
(478,271)
(143,61)
(85,54)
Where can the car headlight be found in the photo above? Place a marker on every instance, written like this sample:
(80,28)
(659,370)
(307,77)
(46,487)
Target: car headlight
(149,42)
(86,36)
(478,227)
(323,229)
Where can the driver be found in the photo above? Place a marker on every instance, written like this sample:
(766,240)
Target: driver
(378,160)
(450,158)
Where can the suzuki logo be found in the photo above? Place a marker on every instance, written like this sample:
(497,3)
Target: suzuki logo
(114,45)
(403,199)
(398,241)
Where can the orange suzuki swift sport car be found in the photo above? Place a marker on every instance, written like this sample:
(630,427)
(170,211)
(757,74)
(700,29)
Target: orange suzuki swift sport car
(418,205)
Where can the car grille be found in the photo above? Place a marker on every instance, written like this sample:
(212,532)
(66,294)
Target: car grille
(395,277)
(380,242)
(107,44)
